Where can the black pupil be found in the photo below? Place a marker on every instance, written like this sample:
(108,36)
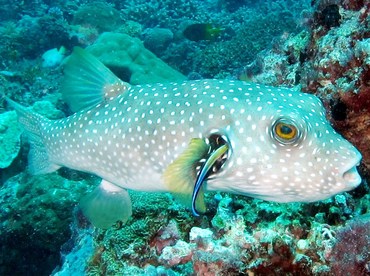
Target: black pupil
(286,129)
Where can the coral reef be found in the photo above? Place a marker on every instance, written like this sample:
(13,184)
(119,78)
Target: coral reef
(331,61)
(10,133)
(34,36)
(350,254)
(148,231)
(75,262)
(35,216)
(245,236)
(157,39)
(167,13)
(237,235)
(252,236)
(230,55)
(99,15)
(131,61)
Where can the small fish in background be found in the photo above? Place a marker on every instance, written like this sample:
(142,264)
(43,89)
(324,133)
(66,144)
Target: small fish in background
(187,138)
(202,31)
(53,57)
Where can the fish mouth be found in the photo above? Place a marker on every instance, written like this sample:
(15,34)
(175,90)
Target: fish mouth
(351,175)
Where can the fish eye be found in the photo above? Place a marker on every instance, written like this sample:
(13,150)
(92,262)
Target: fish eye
(285,131)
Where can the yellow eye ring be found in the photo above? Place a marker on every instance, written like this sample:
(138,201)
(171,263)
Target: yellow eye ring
(285,132)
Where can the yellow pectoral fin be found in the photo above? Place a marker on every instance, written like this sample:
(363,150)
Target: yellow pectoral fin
(180,175)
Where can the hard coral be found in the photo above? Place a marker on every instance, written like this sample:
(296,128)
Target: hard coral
(179,253)
(169,13)
(166,236)
(283,240)
(230,55)
(131,61)
(37,34)
(98,15)
(10,133)
(157,39)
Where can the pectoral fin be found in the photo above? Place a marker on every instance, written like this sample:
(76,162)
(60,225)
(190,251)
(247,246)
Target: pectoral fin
(106,205)
(181,174)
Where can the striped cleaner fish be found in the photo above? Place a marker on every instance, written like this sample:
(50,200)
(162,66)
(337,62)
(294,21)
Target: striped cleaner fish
(215,135)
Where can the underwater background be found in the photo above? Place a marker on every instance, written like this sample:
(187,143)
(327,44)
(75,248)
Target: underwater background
(320,47)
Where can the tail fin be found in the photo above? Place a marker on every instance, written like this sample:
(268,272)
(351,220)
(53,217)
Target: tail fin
(38,158)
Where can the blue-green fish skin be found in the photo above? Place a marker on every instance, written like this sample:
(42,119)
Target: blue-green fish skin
(131,139)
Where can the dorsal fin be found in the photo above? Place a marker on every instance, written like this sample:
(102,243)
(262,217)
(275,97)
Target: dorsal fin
(87,81)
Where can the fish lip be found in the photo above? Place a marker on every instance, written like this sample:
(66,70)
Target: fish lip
(350,174)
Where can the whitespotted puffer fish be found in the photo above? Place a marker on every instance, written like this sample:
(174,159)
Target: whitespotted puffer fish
(215,135)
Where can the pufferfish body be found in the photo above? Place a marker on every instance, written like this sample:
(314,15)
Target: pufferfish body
(188,137)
